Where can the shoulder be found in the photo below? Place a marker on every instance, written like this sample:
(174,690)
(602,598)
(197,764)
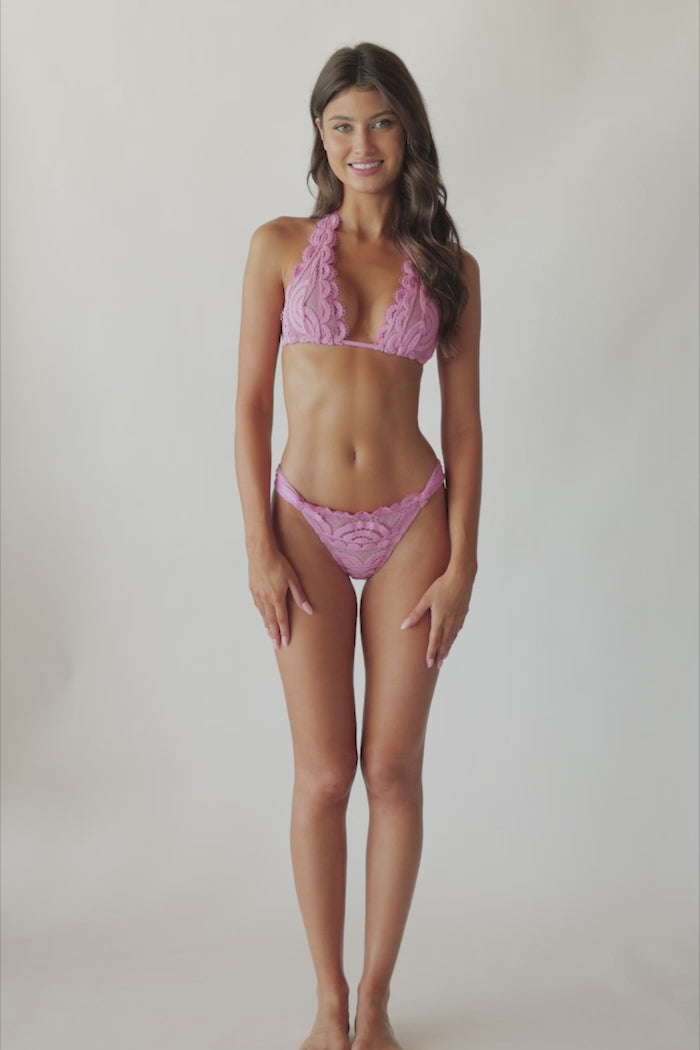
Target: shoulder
(277,233)
(280,241)
(471,278)
(470,268)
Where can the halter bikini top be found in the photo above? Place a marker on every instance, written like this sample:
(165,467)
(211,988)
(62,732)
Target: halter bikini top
(314,313)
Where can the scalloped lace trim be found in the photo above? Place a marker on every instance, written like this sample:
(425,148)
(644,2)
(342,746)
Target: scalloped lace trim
(361,541)
(411,321)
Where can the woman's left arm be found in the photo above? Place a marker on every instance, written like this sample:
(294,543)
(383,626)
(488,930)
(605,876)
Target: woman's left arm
(449,596)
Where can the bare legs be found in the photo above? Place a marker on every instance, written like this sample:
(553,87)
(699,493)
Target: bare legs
(399,690)
(316,671)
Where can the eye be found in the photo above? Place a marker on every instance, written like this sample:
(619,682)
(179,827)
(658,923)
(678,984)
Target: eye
(341,127)
(385,122)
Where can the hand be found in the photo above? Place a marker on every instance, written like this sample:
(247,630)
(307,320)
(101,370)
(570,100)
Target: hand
(270,577)
(448,601)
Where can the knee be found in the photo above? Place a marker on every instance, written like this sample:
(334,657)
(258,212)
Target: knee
(328,783)
(392,778)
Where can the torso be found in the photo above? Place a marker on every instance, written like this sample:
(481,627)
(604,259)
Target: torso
(352,411)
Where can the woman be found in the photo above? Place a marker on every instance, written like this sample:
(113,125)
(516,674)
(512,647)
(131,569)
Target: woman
(361,295)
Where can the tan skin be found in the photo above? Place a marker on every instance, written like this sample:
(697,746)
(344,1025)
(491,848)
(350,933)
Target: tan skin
(354,444)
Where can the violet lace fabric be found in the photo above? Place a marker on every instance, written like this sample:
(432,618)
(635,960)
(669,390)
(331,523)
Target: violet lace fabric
(361,541)
(313,311)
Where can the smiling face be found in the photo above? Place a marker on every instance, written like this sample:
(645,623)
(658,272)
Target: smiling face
(364,140)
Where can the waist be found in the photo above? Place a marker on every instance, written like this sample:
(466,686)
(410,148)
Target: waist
(360,475)
(354,439)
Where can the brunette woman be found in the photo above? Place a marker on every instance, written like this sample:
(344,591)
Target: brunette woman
(359,297)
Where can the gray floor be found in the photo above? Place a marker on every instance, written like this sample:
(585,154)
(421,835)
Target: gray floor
(193,983)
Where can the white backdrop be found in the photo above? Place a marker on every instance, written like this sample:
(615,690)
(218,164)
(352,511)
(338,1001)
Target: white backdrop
(147,767)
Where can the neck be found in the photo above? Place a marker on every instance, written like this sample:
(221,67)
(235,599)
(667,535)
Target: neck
(369,216)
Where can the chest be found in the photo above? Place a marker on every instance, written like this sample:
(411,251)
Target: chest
(367,282)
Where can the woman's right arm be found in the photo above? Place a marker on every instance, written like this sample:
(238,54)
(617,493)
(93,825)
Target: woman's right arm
(270,574)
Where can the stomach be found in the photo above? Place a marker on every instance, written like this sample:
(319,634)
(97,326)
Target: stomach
(353,437)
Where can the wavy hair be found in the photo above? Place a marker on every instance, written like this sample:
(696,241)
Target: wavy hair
(424,230)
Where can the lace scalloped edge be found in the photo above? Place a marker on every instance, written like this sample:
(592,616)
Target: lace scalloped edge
(409,501)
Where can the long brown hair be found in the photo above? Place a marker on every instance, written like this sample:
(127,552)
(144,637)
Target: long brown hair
(425,230)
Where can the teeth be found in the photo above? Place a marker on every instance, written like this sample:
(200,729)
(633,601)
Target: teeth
(366,167)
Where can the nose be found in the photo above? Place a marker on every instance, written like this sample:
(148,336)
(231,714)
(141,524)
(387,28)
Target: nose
(362,141)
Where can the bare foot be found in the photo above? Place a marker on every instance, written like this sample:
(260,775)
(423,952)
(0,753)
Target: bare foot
(330,1032)
(373,1031)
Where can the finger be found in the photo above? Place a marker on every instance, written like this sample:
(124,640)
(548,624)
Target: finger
(282,621)
(272,626)
(417,612)
(264,616)
(447,640)
(431,655)
(443,652)
(299,596)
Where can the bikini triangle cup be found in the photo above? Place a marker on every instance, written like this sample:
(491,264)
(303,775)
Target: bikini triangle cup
(313,311)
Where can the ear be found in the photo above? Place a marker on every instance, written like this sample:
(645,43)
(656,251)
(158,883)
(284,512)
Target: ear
(317,122)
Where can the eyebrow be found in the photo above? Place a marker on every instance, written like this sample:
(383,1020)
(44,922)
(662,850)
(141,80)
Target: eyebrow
(374,116)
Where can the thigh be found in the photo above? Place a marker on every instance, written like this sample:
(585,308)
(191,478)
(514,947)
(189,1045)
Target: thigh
(317,666)
(399,685)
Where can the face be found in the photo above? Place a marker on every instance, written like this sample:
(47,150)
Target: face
(364,140)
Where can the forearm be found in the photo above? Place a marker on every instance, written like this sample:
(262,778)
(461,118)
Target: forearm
(462,453)
(253,465)
(271,578)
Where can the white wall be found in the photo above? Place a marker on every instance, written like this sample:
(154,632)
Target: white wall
(146,757)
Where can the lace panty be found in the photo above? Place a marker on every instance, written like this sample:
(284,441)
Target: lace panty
(361,542)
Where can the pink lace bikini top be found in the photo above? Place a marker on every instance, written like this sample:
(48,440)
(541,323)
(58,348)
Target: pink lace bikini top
(313,312)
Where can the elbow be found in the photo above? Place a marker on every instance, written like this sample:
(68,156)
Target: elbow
(466,429)
(467,435)
(253,411)
(253,424)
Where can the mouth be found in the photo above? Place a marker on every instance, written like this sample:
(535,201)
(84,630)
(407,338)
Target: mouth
(367,167)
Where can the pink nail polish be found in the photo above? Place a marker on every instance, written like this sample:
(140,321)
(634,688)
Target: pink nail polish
(430,662)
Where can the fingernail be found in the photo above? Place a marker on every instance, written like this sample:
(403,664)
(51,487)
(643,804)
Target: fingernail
(285,640)
(404,625)
(430,662)
(439,664)
(307,608)
(275,643)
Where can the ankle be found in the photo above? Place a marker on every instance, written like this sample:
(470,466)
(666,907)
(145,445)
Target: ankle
(333,995)
(372,995)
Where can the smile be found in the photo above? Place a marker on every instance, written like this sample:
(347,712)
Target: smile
(368,166)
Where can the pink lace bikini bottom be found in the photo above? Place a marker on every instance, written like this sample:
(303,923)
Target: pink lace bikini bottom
(361,542)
